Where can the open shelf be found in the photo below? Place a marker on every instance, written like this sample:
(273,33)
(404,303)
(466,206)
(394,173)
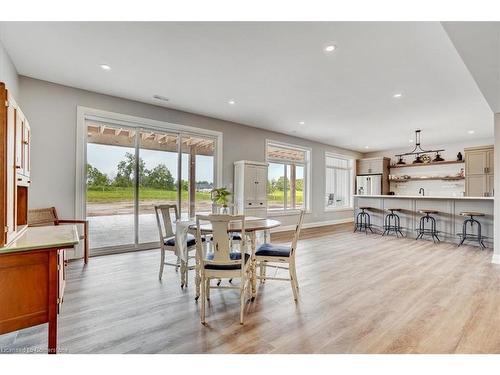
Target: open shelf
(429,164)
(447,178)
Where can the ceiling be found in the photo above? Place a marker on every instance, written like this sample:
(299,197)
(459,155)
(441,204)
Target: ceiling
(478,44)
(278,74)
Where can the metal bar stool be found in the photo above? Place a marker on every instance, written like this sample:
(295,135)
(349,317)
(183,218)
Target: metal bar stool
(392,222)
(363,222)
(422,230)
(469,236)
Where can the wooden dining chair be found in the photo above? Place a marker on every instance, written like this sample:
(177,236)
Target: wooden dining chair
(163,214)
(217,260)
(40,217)
(277,255)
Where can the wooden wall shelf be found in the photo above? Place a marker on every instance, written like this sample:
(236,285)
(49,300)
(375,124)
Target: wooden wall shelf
(454,178)
(429,164)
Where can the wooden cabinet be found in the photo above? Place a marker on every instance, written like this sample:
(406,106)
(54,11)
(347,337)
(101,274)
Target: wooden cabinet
(369,166)
(375,166)
(33,276)
(15,139)
(250,188)
(479,171)
(23,140)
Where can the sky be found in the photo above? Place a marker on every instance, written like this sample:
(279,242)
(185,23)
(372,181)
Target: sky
(106,158)
(275,171)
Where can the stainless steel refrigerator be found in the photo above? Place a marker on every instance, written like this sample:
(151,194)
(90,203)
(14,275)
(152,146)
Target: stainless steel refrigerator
(369,184)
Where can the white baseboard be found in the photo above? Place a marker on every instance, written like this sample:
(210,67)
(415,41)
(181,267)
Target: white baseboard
(495,259)
(316,224)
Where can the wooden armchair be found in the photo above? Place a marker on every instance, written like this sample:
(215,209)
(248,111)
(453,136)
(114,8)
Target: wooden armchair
(48,216)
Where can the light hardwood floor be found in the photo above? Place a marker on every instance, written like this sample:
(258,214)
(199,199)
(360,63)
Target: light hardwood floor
(358,294)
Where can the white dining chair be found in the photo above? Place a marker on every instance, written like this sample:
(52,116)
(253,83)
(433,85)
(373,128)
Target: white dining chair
(217,259)
(277,256)
(167,237)
(228,209)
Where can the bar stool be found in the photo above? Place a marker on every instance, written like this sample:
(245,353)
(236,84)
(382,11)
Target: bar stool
(469,236)
(363,221)
(422,230)
(389,226)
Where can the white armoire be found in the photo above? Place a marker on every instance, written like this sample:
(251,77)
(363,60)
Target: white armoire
(250,188)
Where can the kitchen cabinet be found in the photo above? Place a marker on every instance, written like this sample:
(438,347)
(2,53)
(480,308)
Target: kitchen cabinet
(378,166)
(479,171)
(250,188)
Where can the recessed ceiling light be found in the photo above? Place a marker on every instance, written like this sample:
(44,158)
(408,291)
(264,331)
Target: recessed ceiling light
(231,102)
(411,140)
(301,122)
(397,95)
(159,97)
(330,48)
(471,132)
(367,147)
(105,67)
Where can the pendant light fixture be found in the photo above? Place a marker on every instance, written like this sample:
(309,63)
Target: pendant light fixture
(418,151)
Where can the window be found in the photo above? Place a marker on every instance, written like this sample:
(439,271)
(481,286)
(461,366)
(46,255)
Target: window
(339,184)
(287,181)
(130,168)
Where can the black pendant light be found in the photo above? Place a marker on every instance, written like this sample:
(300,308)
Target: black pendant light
(418,151)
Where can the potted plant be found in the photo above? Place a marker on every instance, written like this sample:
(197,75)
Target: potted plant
(220,196)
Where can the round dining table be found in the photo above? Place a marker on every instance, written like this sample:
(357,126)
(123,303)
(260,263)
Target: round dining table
(252,226)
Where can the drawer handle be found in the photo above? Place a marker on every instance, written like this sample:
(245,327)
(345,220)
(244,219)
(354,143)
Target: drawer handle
(249,204)
(18,167)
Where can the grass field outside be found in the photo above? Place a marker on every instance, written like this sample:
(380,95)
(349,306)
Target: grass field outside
(126,194)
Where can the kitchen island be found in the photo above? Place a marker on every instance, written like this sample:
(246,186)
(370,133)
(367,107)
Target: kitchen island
(448,219)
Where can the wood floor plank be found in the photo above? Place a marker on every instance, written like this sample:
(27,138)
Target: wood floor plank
(358,294)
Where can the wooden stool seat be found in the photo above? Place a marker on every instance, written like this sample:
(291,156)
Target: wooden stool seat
(428,212)
(471,213)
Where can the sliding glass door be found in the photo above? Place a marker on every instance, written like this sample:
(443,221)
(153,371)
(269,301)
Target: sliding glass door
(158,167)
(132,169)
(110,185)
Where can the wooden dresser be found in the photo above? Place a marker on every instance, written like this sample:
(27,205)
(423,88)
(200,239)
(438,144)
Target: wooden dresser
(32,278)
(15,167)
(31,259)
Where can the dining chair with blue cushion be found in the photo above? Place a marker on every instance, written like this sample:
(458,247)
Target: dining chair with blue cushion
(216,259)
(167,237)
(276,256)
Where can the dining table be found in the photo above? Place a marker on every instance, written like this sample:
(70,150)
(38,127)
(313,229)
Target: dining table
(253,225)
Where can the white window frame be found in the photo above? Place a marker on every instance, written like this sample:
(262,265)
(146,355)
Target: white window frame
(84,113)
(351,160)
(307,176)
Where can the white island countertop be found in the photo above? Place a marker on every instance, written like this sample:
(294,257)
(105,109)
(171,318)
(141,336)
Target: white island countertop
(425,197)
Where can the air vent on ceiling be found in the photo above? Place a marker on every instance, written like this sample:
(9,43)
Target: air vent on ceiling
(162,98)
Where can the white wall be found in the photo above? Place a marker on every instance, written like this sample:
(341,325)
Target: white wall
(51,110)
(496,216)
(8,73)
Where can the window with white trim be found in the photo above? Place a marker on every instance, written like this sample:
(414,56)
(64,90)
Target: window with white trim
(339,181)
(288,176)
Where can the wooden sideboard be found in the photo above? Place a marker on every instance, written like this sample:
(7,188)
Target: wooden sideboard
(15,167)
(32,279)
(32,272)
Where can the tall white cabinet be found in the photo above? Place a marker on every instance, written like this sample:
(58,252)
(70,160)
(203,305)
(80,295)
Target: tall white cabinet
(250,188)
